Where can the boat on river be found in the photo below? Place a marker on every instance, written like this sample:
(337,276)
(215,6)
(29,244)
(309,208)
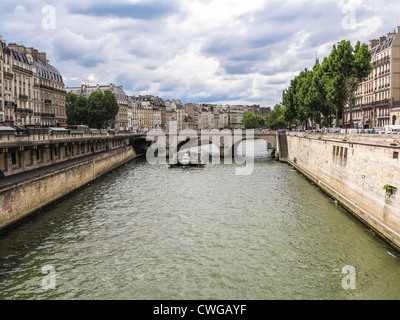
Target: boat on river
(185,161)
(191,157)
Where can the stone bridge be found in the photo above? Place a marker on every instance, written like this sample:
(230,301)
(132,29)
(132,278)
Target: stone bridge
(20,153)
(226,140)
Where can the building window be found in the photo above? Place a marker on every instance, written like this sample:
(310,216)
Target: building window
(13,158)
(395,155)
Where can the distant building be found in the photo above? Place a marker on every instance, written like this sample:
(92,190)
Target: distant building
(235,117)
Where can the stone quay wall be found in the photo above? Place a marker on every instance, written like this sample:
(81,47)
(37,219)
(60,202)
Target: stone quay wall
(24,198)
(354,170)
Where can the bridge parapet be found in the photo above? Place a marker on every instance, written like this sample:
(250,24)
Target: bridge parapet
(225,140)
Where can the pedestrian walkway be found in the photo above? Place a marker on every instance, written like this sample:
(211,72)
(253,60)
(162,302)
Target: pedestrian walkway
(20,177)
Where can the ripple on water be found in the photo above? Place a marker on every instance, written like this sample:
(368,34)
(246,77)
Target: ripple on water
(151,232)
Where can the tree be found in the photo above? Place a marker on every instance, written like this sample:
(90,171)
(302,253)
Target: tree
(97,111)
(253,121)
(70,105)
(76,108)
(276,118)
(317,105)
(288,101)
(294,99)
(318,94)
(319,87)
(111,107)
(346,68)
(303,86)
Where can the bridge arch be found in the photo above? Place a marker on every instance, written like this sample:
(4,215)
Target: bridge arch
(233,149)
(140,145)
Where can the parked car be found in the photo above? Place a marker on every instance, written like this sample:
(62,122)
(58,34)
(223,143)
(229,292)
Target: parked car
(94,131)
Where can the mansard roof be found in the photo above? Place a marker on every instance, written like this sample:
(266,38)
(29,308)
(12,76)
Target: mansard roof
(21,57)
(86,90)
(48,72)
(383,45)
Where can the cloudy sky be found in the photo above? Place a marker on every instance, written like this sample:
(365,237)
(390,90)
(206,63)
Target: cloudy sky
(216,51)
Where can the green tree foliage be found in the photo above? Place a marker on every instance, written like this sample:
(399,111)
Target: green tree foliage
(319,94)
(253,121)
(346,68)
(276,118)
(288,100)
(97,111)
(303,85)
(76,106)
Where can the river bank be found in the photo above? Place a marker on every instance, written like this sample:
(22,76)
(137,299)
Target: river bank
(26,193)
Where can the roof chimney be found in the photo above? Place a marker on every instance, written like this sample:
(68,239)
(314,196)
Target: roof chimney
(17,47)
(382,39)
(42,57)
(391,34)
(373,43)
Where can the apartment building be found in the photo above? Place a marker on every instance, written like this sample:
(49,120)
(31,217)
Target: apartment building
(2,108)
(32,90)
(235,116)
(378,97)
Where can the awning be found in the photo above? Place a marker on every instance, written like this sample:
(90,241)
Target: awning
(3,124)
(58,129)
(6,129)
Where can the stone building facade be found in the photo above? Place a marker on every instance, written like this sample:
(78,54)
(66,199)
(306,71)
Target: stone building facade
(32,91)
(378,97)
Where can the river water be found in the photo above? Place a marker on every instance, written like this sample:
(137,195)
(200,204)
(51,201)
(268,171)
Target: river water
(152,232)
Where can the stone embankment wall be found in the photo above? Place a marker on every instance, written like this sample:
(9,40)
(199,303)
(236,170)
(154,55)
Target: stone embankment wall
(354,169)
(28,196)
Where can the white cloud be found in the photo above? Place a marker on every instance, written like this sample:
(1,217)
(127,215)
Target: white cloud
(195,50)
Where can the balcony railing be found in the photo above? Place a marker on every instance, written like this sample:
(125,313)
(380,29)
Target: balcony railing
(380,61)
(44,115)
(8,75)
(396,104)
(19,110)
(380,102)
(24,97)
(20,69)
(53,89)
